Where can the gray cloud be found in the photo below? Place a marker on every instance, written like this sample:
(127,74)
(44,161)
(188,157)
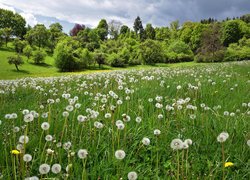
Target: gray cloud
(157,12)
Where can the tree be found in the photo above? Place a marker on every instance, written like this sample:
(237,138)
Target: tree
(231,32)
(100,58)
(14,21)
(124,29)
(27,51)
(150,31)
(114,28)
(245,18)
(151,52)
(76,29)
(39,56)
(102,29)
(16,60)
(6,33)
(19,45)
(55,33)
(162,33)
(174,27)
(138,28)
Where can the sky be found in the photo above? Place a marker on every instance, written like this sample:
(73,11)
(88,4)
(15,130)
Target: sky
(156,12)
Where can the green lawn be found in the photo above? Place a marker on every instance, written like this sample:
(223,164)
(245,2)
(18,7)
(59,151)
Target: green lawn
(28,69)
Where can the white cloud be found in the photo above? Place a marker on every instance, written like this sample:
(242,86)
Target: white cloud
(30,18)
(3,6)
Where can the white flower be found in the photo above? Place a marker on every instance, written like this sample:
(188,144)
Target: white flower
(56,168)
(120,154)
(23,139)
(178,87)
(248,142)
(65,114)
(176,144)
(49,151)
(120,126)
(32,178)
(188,141)
(146,141)
(25,111)
(81,118)
(44,168)
(45,126)
(69,108)
(28,117)
(68,167)
(132,175)
(107,115)
(138,119)
(48,137)
(157,132)
(27,157)
(82,153)
(222,137)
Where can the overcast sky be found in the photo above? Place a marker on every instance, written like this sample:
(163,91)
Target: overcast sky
(157,12)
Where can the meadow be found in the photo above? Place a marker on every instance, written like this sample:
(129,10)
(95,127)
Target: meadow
(155,123)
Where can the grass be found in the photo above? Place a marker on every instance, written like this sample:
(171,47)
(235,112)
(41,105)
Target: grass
(197,103)
(29,69)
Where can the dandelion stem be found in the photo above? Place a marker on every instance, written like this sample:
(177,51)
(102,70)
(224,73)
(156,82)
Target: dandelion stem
(223,161)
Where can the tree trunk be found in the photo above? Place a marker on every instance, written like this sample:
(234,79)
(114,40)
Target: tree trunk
(16,67)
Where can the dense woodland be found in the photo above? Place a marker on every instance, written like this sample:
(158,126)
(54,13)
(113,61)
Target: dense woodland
(116,44)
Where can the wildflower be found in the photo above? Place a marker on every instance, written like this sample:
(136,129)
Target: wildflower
(146,141)
(228,164)
(132,175)
(44,169)
(45,126)
(32,178)
(82,153)
(120,154)
(138,119)
(248,142)
(49,151)
(188,141)
(48,138)
(16,152)
(222,137)
(157,132)
(56,168)
(176,144)
(23,139)
(28,117)
(27,157)
(81,118)
(68,167)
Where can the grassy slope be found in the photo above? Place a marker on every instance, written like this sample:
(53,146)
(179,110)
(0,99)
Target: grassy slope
(31,70)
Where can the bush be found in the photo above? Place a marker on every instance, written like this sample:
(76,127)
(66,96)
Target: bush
(100,58)
(218,56)
(85,58)
(39,56)
(237,52)
(66,58)
(151,52)
(27,51)
(115,60)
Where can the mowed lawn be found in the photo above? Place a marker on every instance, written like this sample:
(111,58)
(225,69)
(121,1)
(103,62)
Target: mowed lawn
(29,69)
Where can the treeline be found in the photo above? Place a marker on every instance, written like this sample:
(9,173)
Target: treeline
(117,45)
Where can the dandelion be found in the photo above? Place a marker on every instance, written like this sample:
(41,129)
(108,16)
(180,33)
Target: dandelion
(45,126)
(107,115)
(56,168)
(44,169)
(32,178)
(68,167)
(28,117)
(23,139)
(228,164)
(82,153)
(48,137)
(138,119)
(65,114)
(157,132)
(15,152)
(248,142)
(132,175)
(49,151)
(120,154)
(27,157)
(188,141)
(146,141)
(176,144)
(81,118)
(222,137)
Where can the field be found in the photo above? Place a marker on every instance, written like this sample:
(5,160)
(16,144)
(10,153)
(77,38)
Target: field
(161,123)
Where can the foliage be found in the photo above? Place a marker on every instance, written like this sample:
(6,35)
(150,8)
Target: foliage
(27,51)
(151,52)
(102,29)
(19,45)
(115,60)
(100,58)
(16,60)
(39,56)
(76,29)
(231,32)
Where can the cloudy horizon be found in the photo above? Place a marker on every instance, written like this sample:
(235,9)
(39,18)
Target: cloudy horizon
(156,12)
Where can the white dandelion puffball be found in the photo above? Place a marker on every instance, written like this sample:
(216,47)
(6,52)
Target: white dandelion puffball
(23,139)
(82,153)
(222,137)
(27,157)
(45,126)
(145,141)
(120,154)
(28,117)
(248,142)
(32,178)
(188,141)
(56,168)
(157,132)
(44,169)
(132,175)
(48,137)
(176,144)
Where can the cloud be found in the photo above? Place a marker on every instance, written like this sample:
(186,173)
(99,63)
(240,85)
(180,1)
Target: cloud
(3,6)
(30,18)
(157,12)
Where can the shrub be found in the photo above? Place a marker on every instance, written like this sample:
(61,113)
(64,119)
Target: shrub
(39,56)
(100,58)
(115,60)
(217,56)
(237,52)
(27,51)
